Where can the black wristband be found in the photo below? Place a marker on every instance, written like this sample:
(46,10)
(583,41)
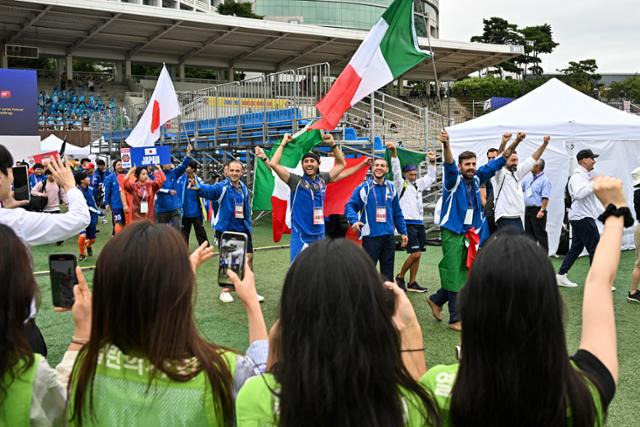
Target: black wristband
(619,212)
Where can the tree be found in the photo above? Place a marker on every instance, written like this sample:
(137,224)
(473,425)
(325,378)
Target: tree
(230,7)
(500,31)
(582,75)
(629,89)
(537,39)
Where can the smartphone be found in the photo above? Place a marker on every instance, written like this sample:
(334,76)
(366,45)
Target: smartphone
(21,189)
(62,270)
(233,249)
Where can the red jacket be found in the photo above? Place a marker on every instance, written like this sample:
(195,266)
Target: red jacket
(138,191)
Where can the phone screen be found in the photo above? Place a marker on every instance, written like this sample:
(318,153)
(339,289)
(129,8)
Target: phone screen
(233,247)
(62,269)
(21,183)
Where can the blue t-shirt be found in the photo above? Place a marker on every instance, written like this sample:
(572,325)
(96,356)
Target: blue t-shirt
(307,195)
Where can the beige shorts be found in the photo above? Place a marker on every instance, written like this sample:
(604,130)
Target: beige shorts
(636,237)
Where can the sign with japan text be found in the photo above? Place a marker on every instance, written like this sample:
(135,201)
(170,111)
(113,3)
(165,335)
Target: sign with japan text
(150,156)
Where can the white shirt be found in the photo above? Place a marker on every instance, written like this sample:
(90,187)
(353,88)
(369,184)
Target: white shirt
(584,203)
(39,228)
(411,200)
(509,198)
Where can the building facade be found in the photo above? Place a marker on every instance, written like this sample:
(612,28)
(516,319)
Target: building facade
(351,14)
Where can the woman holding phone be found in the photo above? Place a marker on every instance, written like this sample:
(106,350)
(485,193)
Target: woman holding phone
(514,367)
(145,362)
(142,191)
(31,392)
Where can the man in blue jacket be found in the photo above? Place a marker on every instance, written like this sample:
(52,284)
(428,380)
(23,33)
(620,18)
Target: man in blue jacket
(462,223)
(113,198)
(192,206)
(168,204)
(37,176)
(374,211)
(234,210)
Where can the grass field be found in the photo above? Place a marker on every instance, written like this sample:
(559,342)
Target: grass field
(225,323)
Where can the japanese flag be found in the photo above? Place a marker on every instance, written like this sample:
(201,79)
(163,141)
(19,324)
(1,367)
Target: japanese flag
(163,106)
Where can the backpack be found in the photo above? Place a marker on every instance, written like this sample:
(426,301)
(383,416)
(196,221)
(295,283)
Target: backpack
(38,203)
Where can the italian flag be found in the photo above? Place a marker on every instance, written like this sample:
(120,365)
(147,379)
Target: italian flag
(389,50)
(271,193)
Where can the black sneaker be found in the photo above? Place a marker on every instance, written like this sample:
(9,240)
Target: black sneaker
(82,258)
(633,297)
(400,282)
(90,251)
(414,287)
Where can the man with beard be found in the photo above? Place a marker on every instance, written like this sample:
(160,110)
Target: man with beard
(374,211)
(509,201)
(462,223)
(307,193)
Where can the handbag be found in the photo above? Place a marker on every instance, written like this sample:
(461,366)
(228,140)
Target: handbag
(38,203)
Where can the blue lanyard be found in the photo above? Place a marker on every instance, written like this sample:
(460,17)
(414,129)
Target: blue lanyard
(233,194)
(469,195)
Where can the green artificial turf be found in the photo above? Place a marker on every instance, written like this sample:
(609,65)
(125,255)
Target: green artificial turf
(225,324)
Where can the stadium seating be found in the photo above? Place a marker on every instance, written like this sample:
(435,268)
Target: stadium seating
(69,109)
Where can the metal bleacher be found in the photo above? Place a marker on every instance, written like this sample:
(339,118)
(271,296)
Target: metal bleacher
(228,120)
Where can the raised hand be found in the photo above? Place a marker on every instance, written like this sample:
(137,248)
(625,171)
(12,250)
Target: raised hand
(506,137)
(609,191)
(521,136)
(61,174)
(546,139)
(327,138)
(200,255)
(443,137)
(259,152)
(431,156)
(286,139)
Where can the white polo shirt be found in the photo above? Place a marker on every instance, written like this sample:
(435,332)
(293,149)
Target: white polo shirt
(509,198)
(584,203)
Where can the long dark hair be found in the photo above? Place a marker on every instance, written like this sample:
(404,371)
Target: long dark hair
(16,293)
(143,289)
(339,356)
(515,369)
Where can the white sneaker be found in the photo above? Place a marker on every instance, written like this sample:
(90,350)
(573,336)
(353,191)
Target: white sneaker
(613,289)
(260,298)
(564,281)
(226,297)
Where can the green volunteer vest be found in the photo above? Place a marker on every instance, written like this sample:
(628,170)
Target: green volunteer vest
(122,395)
(15,409)
(257,406)
(440,380)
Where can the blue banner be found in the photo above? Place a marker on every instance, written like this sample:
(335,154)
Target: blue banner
(150,156)
(18,102)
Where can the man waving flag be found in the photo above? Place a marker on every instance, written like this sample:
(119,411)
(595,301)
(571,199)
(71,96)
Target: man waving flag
(163,106)
(390,50)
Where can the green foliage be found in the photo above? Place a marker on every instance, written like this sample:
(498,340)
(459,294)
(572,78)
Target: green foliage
(535,39)
(582,75)
(230,7)
(480,88)
(627,89)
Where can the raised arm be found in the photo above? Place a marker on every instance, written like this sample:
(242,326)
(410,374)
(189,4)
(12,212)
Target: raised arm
(443,137)
(429,179)
(598,319)
(185,163)
(281,171)
(339,162)
(450,169)
(127,182)
(396,167)
(529,163)
(503,142)
(519,138)
(538,153)
(259,152)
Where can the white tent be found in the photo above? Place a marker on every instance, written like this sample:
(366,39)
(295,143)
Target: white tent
(53,143)
(574,121)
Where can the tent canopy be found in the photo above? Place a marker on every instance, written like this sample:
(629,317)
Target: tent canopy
(53,143)
(574,121)
(554,109)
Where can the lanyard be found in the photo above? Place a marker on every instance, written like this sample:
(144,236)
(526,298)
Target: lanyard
(375,197)
(310,186)
(234,192)
(469,195)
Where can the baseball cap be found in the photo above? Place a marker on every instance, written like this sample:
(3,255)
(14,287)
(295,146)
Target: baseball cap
(89,166)
(586,154)
(635,175)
